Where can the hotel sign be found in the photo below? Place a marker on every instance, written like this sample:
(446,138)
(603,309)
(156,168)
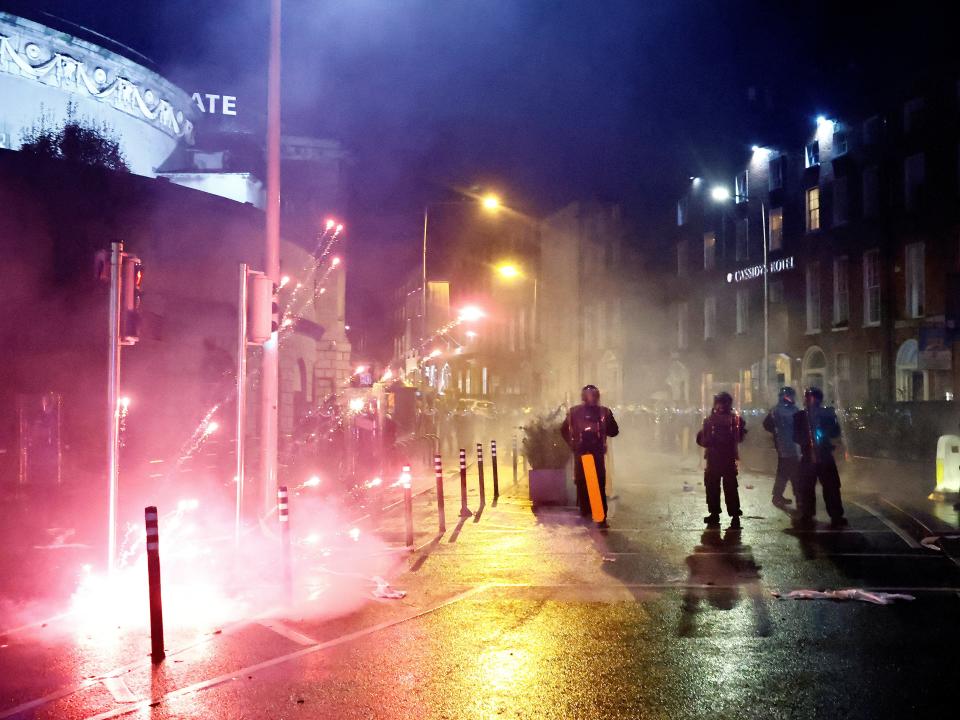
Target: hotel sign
(755,271)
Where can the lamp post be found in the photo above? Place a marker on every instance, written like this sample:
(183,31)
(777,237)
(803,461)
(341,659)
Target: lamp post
(721,194)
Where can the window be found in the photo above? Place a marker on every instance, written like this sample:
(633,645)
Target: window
(913,176)
(813,154)
(743,239)
(843,366)
(682,320)
(871,130)
(682,211)
(813,209)
(840,205)
(682,258)
(813,297)
(871,287)
(912,115)
(775,291)
(740,187)
(871,191)
(709,317)
(743,310)
(841,292)
(874,375)
(775,176)
(839,143)
(483,381)
(709,250)
(914,279)
(775,228)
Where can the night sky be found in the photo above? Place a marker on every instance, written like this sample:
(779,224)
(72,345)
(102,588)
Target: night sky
(548,101)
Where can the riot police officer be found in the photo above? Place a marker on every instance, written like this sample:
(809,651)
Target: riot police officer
(720,437)
(779,422)
(815,428)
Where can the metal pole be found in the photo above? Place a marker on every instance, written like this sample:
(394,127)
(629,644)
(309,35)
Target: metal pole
(483,490)
(151,521)
(113,403)
(270,368)
(441,509)
(764,368)
(496,474)
(241,398)
(407,505)
(423,279)
(283,514)
(464,510)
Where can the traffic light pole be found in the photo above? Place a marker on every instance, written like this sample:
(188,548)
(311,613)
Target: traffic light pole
(113,403)
(241,398)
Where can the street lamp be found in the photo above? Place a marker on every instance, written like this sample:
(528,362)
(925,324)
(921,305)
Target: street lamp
(721,194)
(509,271)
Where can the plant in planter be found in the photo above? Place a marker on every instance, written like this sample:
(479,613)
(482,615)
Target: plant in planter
(548,455)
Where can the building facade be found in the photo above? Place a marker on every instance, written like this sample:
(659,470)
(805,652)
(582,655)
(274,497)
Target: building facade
(858,228)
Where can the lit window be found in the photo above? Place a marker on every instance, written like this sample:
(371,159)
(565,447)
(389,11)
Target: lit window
(709,317)
(839,143)
(871,287)
(743,310)
(740,187)
(483,376)
(813,154)
(709,250)
(813,297)
(743,239)
(813,209)
(871,191)
(776,228)
(840,204)
(915,279)
(841,292)
(913,177)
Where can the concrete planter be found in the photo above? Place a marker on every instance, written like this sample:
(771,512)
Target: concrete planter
(548,487)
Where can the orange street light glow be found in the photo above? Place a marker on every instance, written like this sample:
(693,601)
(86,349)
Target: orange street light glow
(471,313)
(491,203)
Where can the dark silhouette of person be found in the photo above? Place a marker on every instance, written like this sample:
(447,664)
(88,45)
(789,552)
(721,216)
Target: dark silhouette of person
(815,428)
(720,437)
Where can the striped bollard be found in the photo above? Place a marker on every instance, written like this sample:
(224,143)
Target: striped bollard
(496,474)
(405,481)
(283,513)
(153,576)
(483,490)
(441,509)
(464,510)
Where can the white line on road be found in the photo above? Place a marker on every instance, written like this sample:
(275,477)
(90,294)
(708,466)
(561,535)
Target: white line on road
(899,532)
(288,632)
(118,688)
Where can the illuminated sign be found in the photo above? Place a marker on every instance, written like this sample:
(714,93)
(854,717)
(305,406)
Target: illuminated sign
(215,104)
(755,271)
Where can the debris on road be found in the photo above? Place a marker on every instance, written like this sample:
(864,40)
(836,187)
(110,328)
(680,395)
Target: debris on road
(877,598)
(384,591)
(749,487)
(687,487)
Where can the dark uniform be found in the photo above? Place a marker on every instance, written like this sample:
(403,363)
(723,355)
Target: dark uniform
(814,429)
(586,429)
(720,436)
(779,422)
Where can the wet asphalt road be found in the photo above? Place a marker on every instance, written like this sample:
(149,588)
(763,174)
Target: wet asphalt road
(518,614)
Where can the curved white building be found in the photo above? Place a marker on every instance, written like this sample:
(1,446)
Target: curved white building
(43,70)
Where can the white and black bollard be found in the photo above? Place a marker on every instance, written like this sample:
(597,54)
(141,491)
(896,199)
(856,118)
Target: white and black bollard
(283,514)
(153,576)
(441,509)
(483,490)
(405,481)
(496,473)
(464,509)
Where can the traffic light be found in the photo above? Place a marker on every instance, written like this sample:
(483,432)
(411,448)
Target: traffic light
(131,294)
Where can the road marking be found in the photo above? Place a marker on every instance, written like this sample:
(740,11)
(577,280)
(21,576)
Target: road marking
(288,632)
(118,688)
(237,674)
(899,532)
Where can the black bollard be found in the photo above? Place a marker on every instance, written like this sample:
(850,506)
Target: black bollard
(405,481)
(496,473)
(153,575)
(441,510)
(483,490)
(464,510)
(283,513)
(514,459)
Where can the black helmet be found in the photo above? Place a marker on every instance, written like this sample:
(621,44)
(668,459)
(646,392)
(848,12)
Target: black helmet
(814,391)
(723,398)
(587,390)
(787,392)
